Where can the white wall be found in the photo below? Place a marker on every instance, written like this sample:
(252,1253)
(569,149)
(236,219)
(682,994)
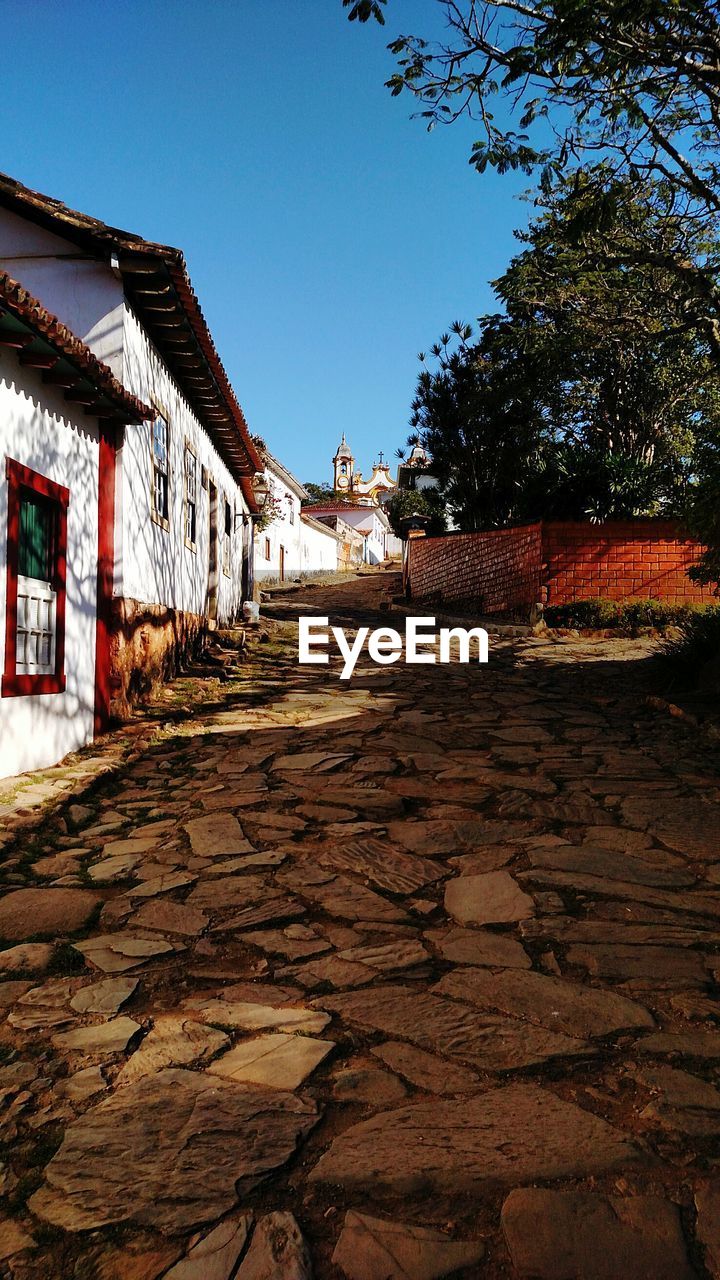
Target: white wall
(367,520)
(81,292)
(319,550)
(39,430)
(285,531)
(153,565)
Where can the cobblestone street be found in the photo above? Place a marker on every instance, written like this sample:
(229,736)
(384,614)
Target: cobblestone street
(403,976)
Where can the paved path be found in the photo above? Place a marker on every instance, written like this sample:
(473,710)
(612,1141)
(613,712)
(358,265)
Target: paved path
(406,976)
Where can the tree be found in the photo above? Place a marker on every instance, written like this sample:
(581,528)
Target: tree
(704,512)
(423,502)
(477,416)
(587,397)
(317,493)
(628,383)
(636,83)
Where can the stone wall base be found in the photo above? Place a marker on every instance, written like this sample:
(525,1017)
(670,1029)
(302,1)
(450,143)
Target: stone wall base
(149,645)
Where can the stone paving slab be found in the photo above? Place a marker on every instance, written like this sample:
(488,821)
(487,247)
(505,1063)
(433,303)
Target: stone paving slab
(469,916)
(554,1235)
(168,1150)
(375,1249)
(462,1147)
(488,1042)
(555,1003)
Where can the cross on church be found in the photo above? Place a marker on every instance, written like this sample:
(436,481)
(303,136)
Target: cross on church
(380,457)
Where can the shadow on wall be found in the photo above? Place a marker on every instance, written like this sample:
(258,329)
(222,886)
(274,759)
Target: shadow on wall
(159,565)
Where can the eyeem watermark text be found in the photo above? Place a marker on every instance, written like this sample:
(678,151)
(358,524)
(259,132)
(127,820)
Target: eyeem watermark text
(385,645)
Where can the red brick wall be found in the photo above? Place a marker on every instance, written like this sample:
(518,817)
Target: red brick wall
(509,570)
(495,572)
(645,559)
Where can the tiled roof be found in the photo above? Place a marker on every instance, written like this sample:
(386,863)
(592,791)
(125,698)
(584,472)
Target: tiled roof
(280,470)
(157,285)
(317,524)
(31,326)
(341,504)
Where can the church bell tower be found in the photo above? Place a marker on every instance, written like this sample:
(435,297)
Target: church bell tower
(343,466)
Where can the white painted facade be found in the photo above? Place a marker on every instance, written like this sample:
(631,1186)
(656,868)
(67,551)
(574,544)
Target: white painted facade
(83,293)
(289,546)
(279,546)
(320,547)
(370,521)
(39,430)
(153,564)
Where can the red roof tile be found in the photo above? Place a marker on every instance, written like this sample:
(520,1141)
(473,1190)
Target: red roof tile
(214,401)
(17,302)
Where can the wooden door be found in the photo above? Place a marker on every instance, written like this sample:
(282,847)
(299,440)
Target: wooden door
(212,552)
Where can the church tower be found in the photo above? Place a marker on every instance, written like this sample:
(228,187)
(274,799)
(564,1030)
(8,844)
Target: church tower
(343,464)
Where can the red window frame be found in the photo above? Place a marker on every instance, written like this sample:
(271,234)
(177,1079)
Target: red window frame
(21,478)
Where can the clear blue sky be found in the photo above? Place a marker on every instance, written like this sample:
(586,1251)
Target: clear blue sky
(329,236)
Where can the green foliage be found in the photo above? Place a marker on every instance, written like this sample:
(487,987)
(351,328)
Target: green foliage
(424,502)
(363,10)
(696,645)
(627,616)
(628,384)
(704,510)
(555,83)
(317,493)
(475,412)
(589,397)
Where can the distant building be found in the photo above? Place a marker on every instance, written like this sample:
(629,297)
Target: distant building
(291,544)
(417,471)
(366,519)
(351,551)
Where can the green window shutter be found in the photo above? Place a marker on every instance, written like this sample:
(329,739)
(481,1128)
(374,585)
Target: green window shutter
(35,540)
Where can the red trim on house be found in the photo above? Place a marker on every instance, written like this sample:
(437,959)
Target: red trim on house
(105,574)
(17,302)
(14,685)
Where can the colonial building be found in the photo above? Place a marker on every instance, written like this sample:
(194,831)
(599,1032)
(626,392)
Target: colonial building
(143,470)
(288,543)
(346,480)
(366,519)
(351,551)
(59,408)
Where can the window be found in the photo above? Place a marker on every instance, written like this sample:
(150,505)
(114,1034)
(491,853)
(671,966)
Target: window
(35,596)
(291,508)
(343,468)
(190,498)
(267,548)
(160,484)
(227,535)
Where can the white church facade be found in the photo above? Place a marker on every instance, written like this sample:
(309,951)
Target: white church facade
(346,480)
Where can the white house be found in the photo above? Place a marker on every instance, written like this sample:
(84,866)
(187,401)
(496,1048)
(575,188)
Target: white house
(286,544)
(174,537)
(367,519)
(58,407)
(321,548)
